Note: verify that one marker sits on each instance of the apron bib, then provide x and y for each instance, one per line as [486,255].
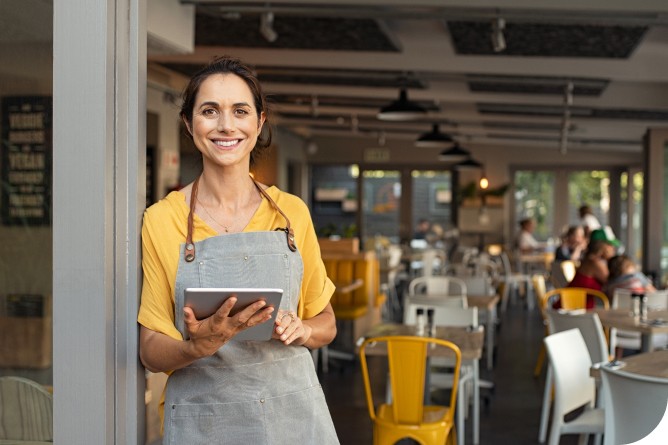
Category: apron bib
[248,391]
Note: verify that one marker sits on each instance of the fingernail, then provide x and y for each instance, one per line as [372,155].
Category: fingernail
[279,330]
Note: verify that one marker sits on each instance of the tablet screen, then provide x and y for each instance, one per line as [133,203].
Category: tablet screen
[206,301]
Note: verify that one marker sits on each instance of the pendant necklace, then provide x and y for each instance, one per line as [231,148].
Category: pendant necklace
[226,228]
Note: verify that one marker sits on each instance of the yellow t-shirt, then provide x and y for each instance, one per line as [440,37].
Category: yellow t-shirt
[164,230]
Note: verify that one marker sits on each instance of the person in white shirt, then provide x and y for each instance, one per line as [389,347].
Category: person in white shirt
[525,241]
[588,220]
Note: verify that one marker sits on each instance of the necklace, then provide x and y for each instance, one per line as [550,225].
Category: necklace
[227,228]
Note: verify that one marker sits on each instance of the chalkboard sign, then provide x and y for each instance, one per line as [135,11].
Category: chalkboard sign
[26,160]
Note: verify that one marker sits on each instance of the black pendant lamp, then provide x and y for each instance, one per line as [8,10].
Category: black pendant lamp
[454,154]
[468,164]
[434,139]
[401,109]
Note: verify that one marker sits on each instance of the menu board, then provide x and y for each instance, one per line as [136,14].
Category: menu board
[26,160]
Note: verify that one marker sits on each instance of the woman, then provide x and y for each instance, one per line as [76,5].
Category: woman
[592,273]
[227,230]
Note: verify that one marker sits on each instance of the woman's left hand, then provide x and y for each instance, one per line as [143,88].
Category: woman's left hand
[291,329]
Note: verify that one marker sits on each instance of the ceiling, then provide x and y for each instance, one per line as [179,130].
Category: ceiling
[333,65]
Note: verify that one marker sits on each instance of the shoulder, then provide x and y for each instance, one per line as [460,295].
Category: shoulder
[169,212]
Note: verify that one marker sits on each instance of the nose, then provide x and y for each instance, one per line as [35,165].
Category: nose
[225,122]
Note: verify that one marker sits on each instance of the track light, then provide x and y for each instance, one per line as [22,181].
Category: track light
[267,26]
[434,138]
[498,39]
[401,109]
[454,154]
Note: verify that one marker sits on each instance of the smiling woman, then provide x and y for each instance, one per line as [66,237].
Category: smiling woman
[248,235]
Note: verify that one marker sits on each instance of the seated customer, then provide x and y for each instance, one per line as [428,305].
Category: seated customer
[525,242]
[592,273]
[573,245]
[624,274]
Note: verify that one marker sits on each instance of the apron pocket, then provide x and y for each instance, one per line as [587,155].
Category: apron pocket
[216,423]
[301,418]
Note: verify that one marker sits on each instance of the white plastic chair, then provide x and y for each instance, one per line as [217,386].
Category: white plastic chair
[511,283]
[573,386]
[430,261]
[592,333]
[26,412]
[621,299]
[437,285]
[636,404]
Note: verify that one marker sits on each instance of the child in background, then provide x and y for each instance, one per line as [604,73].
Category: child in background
[624,274]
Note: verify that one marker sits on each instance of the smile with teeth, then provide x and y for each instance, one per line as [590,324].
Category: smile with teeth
[226,143]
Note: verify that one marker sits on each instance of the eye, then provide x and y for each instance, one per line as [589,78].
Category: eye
[241,112]
[209,112]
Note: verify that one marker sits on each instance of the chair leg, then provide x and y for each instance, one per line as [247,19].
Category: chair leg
[545,410]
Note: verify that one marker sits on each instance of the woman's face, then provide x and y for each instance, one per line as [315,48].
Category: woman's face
[225,124]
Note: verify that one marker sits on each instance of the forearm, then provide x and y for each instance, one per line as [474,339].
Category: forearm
[322,328]
[160,353]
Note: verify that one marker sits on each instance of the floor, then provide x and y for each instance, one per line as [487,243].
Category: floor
[509,415]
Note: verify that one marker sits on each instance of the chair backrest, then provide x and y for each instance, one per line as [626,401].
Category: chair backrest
[621,298]
[478,285]
[570,361]
[539,288]
[407,362]
[444,314]
[635,405]
[437,285]
[590,327]
[26,410]
[562,272]
[573,297]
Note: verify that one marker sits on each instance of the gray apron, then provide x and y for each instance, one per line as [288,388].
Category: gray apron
[247,392]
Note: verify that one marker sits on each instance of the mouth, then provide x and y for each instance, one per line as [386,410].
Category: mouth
[227,143]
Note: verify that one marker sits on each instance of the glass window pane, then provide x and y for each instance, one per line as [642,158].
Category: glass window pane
[591,187]
[25,203]
[534,198]
[334,200]
[380,209]
[432,200]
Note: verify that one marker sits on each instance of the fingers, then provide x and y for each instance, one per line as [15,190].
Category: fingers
[288,327]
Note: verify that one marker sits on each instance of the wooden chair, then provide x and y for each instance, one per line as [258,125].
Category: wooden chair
[26,412]
[407,416]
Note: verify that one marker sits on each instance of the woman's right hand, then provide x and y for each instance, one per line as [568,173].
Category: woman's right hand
[209,334]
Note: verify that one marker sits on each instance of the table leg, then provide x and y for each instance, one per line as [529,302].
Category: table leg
[646,342]
[491,320]
[476,402]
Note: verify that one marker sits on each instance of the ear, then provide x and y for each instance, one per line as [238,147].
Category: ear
[185,121]
[263,117]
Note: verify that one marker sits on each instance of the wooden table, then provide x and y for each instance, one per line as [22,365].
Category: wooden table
[657,323]
[650,364]
[470,343]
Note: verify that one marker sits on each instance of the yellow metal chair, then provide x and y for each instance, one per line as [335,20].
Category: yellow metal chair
[573,298]
[407,416]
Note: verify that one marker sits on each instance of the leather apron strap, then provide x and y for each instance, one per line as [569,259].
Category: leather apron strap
[190,246]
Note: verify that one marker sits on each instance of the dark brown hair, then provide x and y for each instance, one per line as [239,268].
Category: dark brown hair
[230,65]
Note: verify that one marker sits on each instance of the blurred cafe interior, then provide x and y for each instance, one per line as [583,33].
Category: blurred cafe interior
[429,138]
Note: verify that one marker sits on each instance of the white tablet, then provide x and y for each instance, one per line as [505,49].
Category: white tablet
[205,301]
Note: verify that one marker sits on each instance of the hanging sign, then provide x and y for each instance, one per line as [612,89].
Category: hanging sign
[26,160]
